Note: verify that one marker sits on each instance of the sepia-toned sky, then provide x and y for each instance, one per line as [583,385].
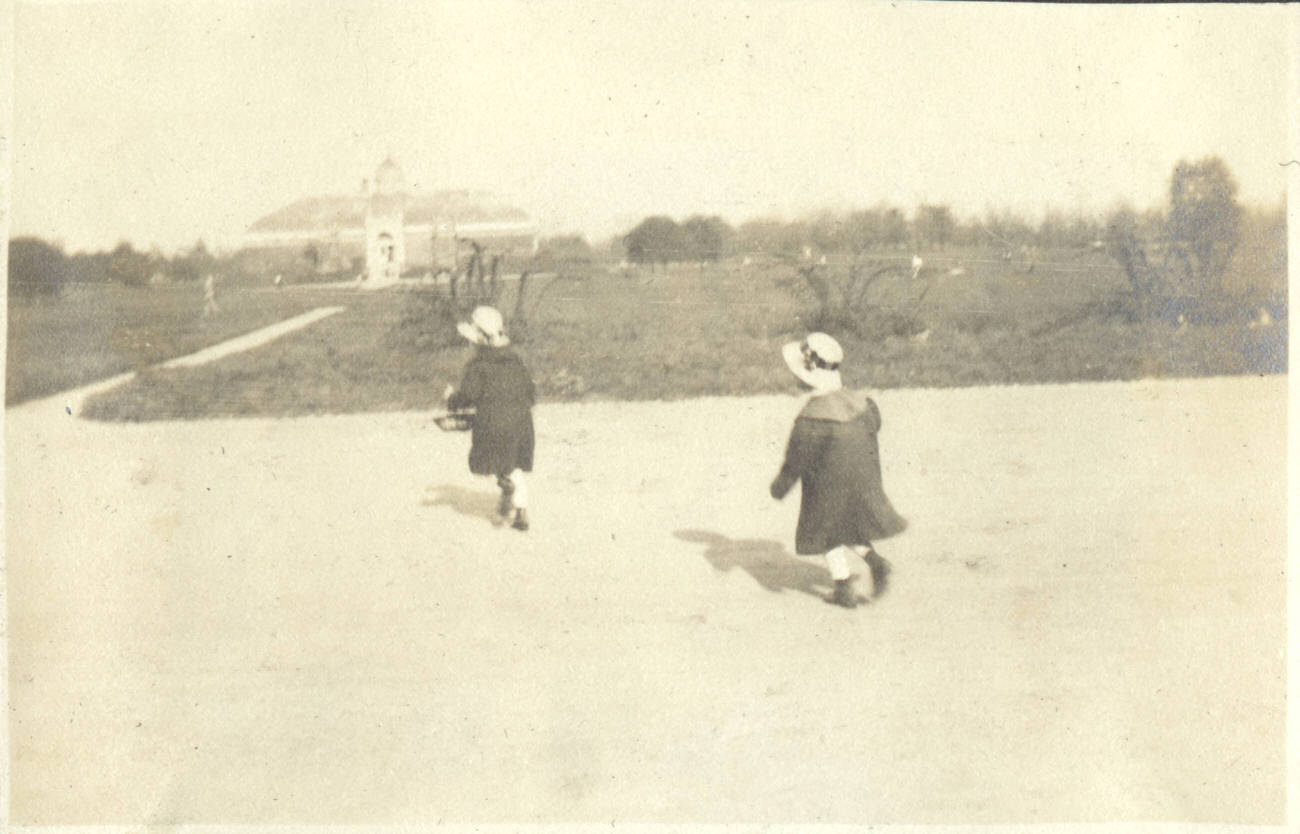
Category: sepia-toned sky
[168,122]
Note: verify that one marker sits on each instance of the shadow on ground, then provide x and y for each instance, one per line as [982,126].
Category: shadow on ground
[468,502]
[767,561]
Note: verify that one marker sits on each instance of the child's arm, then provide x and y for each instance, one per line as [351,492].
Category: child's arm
[470,387]
[872,415]
[530,388]
[800,456]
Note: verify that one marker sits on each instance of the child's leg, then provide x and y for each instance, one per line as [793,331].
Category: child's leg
[838,563]
[520,497]
[878,568]
[869,578]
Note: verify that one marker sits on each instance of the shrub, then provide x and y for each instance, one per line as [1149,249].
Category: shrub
[864,295]
[131,268]
[426,322]
[655,240]
[1203,223]
[35,268]
[1176,261]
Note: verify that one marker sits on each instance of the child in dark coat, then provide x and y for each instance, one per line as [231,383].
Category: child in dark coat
[833,450]
[498,388]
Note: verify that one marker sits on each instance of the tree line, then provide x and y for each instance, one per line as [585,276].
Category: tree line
[659,240]
[40,268]
[1184,246]
[1187,243]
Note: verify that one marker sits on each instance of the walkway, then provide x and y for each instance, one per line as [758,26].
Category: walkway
[72,401]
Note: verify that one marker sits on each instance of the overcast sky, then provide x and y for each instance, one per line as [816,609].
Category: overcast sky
[165,123]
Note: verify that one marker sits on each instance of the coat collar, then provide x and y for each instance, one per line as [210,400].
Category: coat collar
[837,405]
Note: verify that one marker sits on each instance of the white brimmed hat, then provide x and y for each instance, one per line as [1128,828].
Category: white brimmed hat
[815,360]
[485,327]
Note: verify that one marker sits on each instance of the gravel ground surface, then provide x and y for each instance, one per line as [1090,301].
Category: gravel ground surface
[314,620]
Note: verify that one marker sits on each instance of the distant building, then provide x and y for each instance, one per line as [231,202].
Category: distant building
[387,230]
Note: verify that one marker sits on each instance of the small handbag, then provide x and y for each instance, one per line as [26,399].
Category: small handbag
[455,421]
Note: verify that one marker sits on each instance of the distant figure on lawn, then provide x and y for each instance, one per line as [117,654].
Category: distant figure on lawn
[210,307]
[833,449]
[499,389]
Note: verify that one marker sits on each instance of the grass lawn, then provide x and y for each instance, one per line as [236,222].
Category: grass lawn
[689,332]
[94,331]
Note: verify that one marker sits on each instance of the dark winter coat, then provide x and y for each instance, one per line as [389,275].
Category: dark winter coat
[497,386]
[834,451]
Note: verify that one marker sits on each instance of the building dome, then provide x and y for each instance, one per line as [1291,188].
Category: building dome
[389,178]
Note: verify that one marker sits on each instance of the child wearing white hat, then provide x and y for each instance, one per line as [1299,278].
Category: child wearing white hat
[498,388]
[834,451]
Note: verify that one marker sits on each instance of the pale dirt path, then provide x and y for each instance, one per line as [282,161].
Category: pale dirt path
[312,621]
[256,338]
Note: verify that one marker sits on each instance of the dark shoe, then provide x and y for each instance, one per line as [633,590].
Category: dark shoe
[880,570]
[521,520]
[844,595]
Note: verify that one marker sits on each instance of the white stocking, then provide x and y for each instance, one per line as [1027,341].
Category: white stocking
[520,498]
[838,563]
